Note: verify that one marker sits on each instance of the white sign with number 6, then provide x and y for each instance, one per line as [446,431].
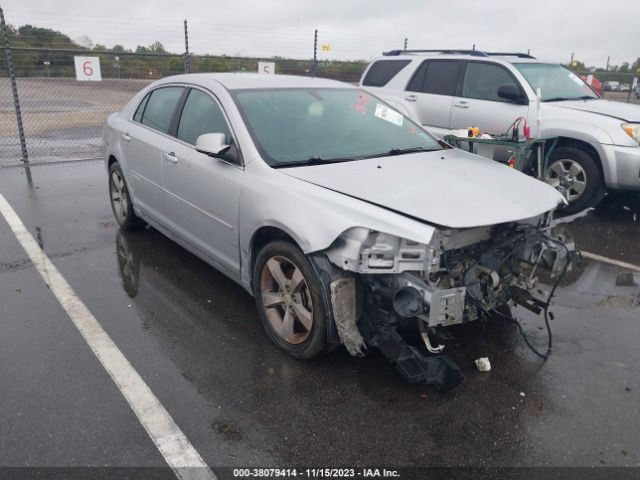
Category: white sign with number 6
[87,69]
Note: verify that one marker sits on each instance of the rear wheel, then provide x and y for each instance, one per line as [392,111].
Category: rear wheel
[121,200]
[577,173]
[290,302]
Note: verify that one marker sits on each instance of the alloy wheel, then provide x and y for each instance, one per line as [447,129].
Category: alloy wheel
[570,175]
[286,299]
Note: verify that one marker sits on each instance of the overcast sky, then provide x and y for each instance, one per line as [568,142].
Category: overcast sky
[552,30]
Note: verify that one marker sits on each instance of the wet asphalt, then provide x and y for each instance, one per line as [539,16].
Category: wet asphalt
[194,337]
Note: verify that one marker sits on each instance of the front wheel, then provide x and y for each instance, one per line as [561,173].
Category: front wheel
[577,173]
[292,307]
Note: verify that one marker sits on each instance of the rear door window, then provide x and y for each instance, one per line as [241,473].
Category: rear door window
[482,81]
[438,77]
[160,107]
[201,114]
[140,110]
[382,71]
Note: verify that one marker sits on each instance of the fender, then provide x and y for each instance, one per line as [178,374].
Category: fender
[595,136]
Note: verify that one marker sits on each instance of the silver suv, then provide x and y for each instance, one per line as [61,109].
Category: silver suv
[599,140]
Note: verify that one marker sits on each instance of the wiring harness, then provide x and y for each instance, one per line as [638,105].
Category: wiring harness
[547,304]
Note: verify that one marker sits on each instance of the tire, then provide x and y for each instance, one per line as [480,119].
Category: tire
[293,309]
[120,199]
[577,170]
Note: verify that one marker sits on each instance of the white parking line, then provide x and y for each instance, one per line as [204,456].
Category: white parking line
[174,446]
[611,261]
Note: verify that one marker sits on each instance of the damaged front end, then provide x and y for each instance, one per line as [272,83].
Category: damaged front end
[457,276]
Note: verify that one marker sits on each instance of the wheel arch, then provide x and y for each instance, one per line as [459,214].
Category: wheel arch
[325,271]
[584,146]
[111,160]
[265,235]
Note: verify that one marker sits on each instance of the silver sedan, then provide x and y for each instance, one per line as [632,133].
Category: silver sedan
[336,212]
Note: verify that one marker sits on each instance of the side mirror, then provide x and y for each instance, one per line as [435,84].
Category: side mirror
[512,93]
[212,144]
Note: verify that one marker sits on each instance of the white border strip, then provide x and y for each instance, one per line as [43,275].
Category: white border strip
[174,446]
[610,261]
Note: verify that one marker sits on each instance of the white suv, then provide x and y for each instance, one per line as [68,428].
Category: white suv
[599,140]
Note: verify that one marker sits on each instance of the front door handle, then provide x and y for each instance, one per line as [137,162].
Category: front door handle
[170,157]
[411,98]
[461,104]
[126,137]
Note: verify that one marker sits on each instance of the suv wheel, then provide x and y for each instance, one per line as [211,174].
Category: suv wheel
[290,300]
[577,172]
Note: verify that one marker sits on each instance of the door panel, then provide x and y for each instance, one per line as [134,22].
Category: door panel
[494,117]
[201,192]
[202,195]
[432,111]
[143,155]
[143,146]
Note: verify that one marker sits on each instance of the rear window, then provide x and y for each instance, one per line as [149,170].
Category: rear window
[436,76]
[159,108]
[382,71]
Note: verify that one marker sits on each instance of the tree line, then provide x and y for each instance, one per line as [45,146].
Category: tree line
[151,61]
[621,72]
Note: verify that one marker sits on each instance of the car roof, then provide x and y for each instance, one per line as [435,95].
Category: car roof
[240,81]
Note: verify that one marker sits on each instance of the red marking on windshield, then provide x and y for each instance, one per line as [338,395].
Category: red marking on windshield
[361,104]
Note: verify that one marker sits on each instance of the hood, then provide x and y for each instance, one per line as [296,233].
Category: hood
[450,188]
[624,111]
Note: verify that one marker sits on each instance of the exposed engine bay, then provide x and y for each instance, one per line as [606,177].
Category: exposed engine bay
[459,276]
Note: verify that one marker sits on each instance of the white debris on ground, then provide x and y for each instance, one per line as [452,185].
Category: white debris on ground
[483,364]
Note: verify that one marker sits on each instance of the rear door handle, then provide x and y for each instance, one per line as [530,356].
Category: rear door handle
[461,104]
[411,98]
[126,137]
[170,157]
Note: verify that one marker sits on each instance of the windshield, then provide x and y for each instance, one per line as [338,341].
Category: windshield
[314,125]
[555,82]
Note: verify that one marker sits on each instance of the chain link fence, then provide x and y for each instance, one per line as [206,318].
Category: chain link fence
[63,117]
[613,85]
[10,148]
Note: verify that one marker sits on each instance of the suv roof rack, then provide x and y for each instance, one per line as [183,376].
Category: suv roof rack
[437,50]
[474,52]
[510,54]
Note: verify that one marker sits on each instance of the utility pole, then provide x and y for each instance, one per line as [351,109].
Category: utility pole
[314,65]
[14,88]
[187,57]
[406,40]
[608,60]
[571,61]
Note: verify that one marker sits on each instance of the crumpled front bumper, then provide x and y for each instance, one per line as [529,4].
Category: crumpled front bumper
[367,306]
